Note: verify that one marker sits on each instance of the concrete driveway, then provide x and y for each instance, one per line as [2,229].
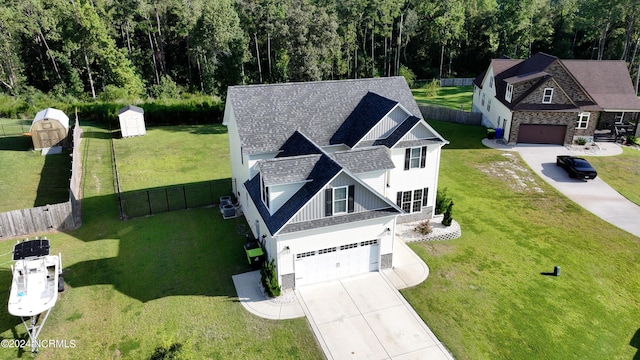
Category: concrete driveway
[365,317]
[594,195]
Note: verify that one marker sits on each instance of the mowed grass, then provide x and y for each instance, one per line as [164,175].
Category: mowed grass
[172,155]
[486,298]
[28,179]
[140,288]
[621,172]
[451,96]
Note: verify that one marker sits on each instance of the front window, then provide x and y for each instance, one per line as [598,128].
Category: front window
[489,105]
[415,158]
[482,99]
[491,82]
[547,96]
[583,120]
[340,200]
[413,200]
[509,93]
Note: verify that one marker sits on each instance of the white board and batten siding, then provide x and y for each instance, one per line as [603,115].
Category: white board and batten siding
[386,126]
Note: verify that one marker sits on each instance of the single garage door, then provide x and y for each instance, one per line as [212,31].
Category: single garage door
[336,262]
[542,134]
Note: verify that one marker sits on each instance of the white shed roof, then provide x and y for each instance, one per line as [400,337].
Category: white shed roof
[52,114]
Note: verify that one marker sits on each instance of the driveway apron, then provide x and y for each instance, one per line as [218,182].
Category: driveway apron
[365,317]
[594,195]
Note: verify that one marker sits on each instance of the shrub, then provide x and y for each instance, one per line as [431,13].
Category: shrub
[269,278]
[442,201]
[432,88]
[409,76]
[446,221]
[631,140]
[580,141]
[423,228]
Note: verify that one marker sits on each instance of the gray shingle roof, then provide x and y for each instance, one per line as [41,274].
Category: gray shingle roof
[323,171]
[365,116]
[132,108]
[341,219]
[266,115]
[362,160]
[288,169]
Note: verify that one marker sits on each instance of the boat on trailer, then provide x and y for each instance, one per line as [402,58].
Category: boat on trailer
[37,280]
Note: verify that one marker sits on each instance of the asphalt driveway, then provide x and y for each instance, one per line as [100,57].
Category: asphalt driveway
[593,195]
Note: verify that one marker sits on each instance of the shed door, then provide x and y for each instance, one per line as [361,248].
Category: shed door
[48,138]
[336,262]
[542,134]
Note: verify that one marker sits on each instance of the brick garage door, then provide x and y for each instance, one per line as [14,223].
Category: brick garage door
[541,134]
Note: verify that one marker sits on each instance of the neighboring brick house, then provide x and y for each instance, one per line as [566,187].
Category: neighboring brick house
[324,170]
[547,100]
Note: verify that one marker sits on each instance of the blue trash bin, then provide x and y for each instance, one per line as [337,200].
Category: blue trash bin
[498,133]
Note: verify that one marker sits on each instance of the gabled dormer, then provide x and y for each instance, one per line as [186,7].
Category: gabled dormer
[281,178]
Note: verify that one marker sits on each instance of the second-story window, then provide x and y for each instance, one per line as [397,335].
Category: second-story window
[491,82]
[509,93]
[547,96]
[489,105]
[415,158]
[339,200]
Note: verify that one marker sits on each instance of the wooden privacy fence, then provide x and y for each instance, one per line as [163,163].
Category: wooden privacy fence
[35,220]
[63,216]
[450,115]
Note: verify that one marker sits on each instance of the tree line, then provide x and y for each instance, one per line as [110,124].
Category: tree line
[126,49]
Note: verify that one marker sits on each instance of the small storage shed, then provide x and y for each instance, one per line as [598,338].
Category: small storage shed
[50,130]
[131,121]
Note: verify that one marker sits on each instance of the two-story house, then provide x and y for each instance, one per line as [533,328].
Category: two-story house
[324,170]
[547,100]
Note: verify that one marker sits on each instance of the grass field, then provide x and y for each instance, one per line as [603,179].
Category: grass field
[451,96]
[28,179]
[486,298]
[622,172]
[139,288]
[136,288]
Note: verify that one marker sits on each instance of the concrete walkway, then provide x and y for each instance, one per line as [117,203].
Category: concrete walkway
[363,316]
[594,195]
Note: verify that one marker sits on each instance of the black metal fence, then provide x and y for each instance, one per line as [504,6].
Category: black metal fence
[153,201]
[13,129]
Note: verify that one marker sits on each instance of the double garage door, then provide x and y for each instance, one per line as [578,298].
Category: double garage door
[542,134]
[336,262]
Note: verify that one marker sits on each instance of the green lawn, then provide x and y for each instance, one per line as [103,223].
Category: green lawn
[450,96]
[172,155]
[27,178]
[622,172]
[136,288]
[486,298]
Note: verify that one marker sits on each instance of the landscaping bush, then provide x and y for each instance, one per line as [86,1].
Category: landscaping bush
[580,141]
[446,221]
[409,76]
[631,140]
[432,88]
[269,278]
[442,201]
[423,228]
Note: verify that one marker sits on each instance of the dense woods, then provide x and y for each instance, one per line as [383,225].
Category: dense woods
[133,49]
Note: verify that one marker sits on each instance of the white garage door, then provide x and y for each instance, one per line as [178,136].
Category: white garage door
[336,262]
